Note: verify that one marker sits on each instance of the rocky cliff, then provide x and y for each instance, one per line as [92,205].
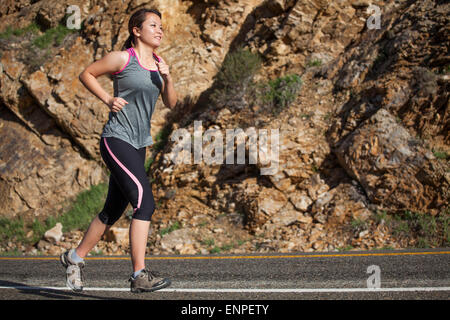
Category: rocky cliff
[359,139]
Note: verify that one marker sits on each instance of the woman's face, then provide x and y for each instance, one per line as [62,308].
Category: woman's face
[151,32]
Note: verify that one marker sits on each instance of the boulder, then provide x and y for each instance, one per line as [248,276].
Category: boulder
[117,235]
[392,166]
[54,234]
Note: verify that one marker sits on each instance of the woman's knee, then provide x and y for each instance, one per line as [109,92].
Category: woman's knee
[145,211]
[108,219]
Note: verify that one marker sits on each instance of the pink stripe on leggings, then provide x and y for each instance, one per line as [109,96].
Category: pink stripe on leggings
[132,176]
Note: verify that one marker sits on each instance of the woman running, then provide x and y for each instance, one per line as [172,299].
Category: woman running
[140,76]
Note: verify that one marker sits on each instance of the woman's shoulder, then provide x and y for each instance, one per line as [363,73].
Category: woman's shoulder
[122,55]
[119,59]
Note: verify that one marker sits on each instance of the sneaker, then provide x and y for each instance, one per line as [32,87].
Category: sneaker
[74,272]
[147,281]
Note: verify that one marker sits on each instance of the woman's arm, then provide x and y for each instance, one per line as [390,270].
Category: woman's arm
[110,63]
[168,93]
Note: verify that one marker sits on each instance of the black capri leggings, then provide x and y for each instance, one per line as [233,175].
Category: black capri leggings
[128,182]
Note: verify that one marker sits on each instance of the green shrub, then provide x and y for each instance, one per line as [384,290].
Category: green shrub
[31,28]
[9,32]
[85,207]
[175,226]
[314,63]
[227,247]
[161,140]
[39,228]
[79,215]
[234,79]
[97,253]
[443,221]
[216,249]
[427,229]
[208,242]
[440,154]
[148,163]
[358,225]
[236,89]
[52,36]
[277,94]
[11,229]
[346,248]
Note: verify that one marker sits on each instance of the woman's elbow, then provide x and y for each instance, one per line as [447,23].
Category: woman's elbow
[81,76]
[84,74]
[173,103]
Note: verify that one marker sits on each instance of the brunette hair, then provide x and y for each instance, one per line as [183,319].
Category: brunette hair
[136,20]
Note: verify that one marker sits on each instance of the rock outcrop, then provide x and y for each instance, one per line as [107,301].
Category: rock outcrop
[359,138]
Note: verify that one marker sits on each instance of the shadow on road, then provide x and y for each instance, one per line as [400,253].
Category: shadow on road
[51,293]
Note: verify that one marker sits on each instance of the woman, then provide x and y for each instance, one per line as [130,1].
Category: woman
[140,76]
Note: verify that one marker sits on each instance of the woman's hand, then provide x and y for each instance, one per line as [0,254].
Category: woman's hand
[116,104]
[169,95]
[163,68]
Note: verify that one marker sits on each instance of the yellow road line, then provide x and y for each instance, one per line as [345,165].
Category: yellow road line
[246,257]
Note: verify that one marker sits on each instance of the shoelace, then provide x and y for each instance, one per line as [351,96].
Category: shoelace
[151,275]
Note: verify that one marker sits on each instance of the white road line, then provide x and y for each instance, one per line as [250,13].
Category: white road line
[287,290]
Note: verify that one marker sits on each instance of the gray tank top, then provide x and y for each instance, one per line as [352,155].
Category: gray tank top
[140,87]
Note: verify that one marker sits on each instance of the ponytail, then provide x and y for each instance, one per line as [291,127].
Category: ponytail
[128,42]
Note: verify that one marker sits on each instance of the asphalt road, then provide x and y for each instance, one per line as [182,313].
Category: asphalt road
[416,274]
